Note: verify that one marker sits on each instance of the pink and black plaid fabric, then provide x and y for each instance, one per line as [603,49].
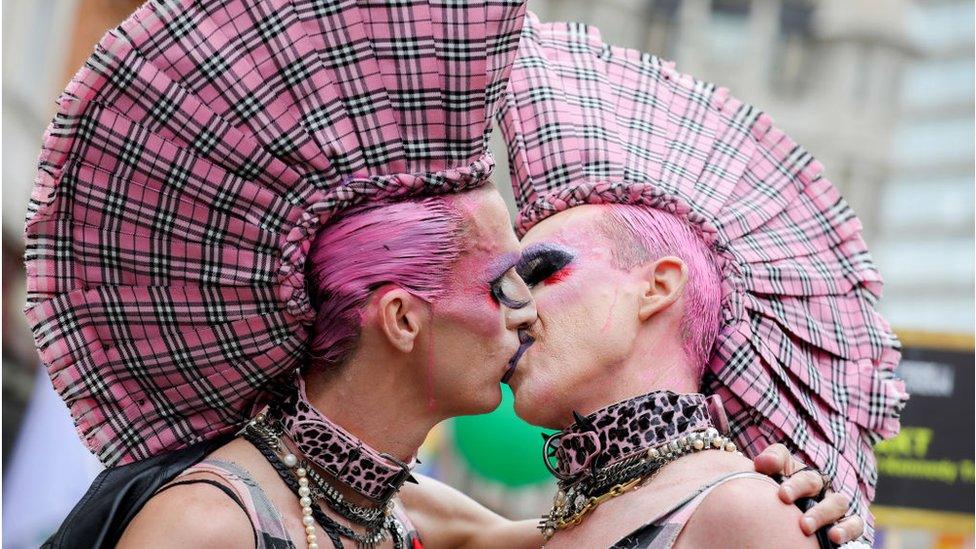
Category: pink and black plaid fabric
[803,357]
[186,171]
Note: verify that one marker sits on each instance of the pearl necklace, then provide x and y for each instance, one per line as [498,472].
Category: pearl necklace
[269,437]
[304,500]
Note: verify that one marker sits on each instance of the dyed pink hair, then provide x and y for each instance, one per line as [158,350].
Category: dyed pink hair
[412,244]
[641,235]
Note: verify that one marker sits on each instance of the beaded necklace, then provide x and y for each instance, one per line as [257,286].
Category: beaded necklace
[619,449]
[310,487]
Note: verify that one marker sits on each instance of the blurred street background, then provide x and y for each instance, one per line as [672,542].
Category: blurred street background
[880,91]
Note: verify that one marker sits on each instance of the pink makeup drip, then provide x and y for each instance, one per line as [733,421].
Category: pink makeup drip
[429,372]
[613,305]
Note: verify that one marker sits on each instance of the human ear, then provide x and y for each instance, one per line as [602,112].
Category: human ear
[401,316]
[664,282]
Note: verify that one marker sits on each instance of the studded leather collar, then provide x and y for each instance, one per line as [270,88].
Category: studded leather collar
[627,428]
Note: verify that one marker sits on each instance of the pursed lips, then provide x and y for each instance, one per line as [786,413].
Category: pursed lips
[525,341]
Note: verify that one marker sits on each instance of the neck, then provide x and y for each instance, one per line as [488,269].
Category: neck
[655,363]
[631,427]
[369,399]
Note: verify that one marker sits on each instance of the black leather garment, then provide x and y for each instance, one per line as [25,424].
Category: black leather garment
[118,494]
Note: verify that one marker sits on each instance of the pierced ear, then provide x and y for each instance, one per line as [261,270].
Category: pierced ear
[665,283]
[401,316]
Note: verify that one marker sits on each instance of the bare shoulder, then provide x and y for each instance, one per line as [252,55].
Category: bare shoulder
[745,512]
[190,515]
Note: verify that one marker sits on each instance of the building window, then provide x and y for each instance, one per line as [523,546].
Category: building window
[791,59]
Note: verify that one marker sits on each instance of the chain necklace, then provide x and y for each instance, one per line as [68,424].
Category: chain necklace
[310,487]
[576,498]
[369,517]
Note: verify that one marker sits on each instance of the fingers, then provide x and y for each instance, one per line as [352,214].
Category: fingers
[846,530]
[831,509]
[792,465]
[805,484]
[773,461]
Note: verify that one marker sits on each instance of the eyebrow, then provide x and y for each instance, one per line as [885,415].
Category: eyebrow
[501,264]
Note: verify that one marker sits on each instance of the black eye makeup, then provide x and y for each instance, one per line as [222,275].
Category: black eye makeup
[506,290]
[542,261]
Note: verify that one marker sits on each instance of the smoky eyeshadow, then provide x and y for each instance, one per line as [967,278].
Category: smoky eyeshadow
[502,290]
[542,261]
[501,286]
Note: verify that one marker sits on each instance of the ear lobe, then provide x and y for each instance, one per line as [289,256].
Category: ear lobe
[665,283]
[401,316]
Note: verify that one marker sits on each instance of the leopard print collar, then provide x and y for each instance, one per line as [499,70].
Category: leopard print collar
[627,428]
[348,460]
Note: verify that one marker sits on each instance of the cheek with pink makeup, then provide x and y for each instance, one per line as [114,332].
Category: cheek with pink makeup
[470,299]
[495,281]
[613,305]
[472,311]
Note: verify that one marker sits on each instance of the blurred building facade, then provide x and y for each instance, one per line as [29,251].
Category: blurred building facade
[35,41]
[46,468]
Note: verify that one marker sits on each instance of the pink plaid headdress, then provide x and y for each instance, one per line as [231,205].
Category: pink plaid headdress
[188,167]
[802,356]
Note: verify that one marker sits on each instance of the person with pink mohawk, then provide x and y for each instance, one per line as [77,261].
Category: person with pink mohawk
[699,285]
[263,261]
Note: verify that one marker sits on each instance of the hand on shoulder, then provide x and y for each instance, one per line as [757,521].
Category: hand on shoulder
[745,512]
[197,515]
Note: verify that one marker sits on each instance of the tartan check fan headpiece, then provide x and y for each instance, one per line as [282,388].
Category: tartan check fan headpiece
[802,356]
[186,171]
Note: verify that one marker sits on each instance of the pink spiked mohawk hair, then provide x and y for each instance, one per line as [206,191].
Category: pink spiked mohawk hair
[191,163]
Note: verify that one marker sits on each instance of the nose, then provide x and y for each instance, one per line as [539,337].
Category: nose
[522,318]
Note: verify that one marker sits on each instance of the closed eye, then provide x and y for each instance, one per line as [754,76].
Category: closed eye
[505,290]
[540,264]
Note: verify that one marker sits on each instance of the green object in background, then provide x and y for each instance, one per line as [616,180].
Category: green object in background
[499,446]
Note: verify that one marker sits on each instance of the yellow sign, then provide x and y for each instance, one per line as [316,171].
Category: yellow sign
[905,456]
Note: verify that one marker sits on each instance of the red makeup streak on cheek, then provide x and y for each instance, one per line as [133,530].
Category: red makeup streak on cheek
[559,276]
[491,301]
[431,400]
[613,305]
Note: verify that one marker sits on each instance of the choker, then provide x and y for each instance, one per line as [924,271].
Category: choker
[619,448]
[628,428]
[378,522]
[374,475]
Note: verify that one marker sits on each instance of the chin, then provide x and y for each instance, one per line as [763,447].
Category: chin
[534,409]
[483,401]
